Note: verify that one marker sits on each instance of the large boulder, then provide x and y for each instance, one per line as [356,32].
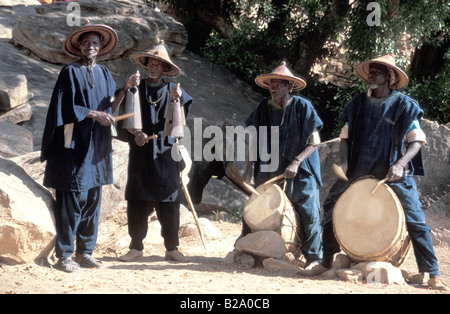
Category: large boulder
[15,140]
[26,219]
[138,28]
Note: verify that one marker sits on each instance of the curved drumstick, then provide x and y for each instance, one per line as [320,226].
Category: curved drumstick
[372,192]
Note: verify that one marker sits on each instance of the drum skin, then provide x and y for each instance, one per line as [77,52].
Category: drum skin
[272,211]
[371,227]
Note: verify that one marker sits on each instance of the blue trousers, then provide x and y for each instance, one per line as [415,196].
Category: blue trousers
[77,216]
[418,229]
[303,193]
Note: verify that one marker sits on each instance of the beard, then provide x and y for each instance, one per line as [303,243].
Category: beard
[373,85]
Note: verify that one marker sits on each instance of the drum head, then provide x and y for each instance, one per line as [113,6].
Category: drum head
[365,224]
[263,212]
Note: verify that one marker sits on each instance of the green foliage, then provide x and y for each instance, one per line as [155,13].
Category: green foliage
[433,95]
[265,32]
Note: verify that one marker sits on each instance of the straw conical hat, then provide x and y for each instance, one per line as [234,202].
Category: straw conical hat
[280,73]
[362,69]
[159,52]
[109,38]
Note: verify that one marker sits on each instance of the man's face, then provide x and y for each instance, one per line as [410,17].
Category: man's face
[278,89]
[90,45]
[378,75]
[155,68]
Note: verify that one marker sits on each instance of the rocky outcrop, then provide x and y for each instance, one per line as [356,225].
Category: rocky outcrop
[138,27]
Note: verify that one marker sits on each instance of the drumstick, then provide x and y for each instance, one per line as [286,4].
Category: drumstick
[124,116]
[378,185]
[339,172]
[279,177]
[148,138]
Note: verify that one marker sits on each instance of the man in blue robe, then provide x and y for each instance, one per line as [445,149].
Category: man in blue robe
[77,144]
[153,175]
[382,138]
[298,128]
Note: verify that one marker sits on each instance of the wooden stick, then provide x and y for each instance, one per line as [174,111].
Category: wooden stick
[233,173]
[191,207]
[378,185]
[148,138]
[124,116]
[339,172]
[279,177]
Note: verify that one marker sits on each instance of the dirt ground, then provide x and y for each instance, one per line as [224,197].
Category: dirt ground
[204,274]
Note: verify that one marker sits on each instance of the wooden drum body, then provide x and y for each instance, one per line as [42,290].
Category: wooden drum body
[371,227]
[272,211]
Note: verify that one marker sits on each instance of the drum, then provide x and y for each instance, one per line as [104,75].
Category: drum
[371,226]
[272,211]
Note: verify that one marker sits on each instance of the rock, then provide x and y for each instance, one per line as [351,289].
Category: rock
[341,261]
[218,196]
[435,184]
[277,265]
[351,275]
[419,279]
[15,140]
[262,243]
[25,231]
[329,274]
[138,28]
[13,90]
[18,114]
[380,273]
[244,259]
[209,230]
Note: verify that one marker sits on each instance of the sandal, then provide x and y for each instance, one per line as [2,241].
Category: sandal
[87,261]
[67,264]
[437,283]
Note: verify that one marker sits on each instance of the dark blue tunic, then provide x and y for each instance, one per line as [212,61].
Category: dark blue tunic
[376,140]
[300,120]
[153,175]
[295,123]
[88,161]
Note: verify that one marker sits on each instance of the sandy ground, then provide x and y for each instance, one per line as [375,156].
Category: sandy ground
[204,274]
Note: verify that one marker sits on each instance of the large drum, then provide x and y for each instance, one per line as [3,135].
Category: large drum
[272,211]
[371,226]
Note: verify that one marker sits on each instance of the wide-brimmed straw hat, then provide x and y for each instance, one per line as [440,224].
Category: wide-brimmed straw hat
[109,38]
[280,73]
[362,69]
[159,52]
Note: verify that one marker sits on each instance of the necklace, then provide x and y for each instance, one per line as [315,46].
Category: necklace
[154,103]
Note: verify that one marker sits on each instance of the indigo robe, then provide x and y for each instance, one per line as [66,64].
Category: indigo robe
[153,175]
[295,123]
[87,162]
[376,140]
[299,121]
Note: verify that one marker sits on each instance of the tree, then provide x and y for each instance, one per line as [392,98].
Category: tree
[251,36]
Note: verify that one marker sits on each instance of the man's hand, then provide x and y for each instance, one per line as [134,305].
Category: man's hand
[133,80]
[175,93]
[140,138]
[396,171]
[103,118]
[292,169]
